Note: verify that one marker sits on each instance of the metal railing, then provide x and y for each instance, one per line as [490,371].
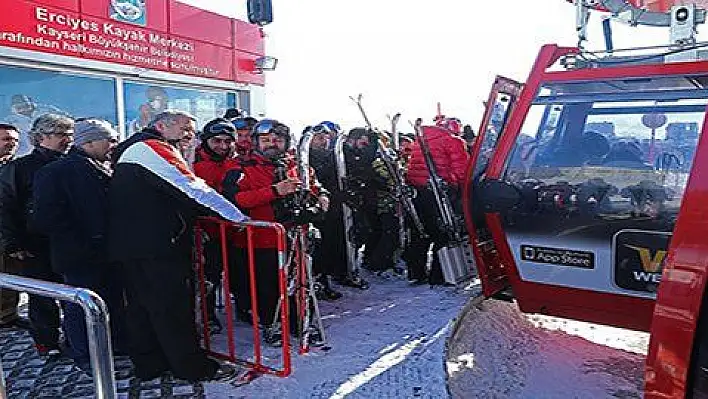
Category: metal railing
[226,231]
[97,326]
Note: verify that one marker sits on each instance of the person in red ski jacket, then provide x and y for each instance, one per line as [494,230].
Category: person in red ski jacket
[265,186]
[450,157]
[212,161]
[449,154]
[218,145]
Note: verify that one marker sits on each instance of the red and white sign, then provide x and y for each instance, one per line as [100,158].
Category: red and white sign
[195,42]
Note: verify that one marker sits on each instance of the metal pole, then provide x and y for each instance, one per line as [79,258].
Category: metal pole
[3,393]
[97,325]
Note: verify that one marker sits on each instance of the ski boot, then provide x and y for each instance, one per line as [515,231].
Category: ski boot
[354,282]
[324,290]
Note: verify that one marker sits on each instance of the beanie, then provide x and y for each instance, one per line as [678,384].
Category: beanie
[88,130]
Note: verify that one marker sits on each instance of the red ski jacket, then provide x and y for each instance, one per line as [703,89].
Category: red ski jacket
[449,155]
[250,187]
[211,167]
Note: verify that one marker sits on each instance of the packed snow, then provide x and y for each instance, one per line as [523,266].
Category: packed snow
[385,342]
[497,351]
[390,342]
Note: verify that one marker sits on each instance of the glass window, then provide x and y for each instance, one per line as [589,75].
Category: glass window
[601,168]
[144,101]
[620,136]
[244,101]
[27,93]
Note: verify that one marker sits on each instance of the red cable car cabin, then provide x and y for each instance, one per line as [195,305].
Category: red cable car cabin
[586,199]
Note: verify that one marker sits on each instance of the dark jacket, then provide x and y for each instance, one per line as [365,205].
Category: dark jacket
[323,162]
[71,208]
[368,180]
[154,199]
[16,186]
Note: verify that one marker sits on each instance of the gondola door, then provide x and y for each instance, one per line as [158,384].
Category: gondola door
[501,100]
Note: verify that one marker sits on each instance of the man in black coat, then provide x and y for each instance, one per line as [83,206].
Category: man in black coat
[71,208]
[154,199]
[51,136]
[9,142]
[332,250]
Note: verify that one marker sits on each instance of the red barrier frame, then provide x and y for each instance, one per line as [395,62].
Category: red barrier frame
[257,365]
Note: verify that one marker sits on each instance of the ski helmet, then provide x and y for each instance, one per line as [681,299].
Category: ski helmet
[246,123]
[217,127]
[327,129]
[333,127]
[268,126]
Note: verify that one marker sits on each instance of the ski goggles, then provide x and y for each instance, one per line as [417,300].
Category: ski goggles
[240,123]
[267,126]
[331,126]
[322,129]
[219,128]
[222,127]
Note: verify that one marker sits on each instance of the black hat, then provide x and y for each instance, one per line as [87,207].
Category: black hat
[233,113]
[217,127]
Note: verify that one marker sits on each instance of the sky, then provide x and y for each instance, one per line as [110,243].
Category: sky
[407,55]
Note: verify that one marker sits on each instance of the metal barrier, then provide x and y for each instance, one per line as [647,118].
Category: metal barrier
[97,326]
[226,227]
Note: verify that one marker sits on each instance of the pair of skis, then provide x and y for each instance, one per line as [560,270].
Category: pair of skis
[455,256]
[448,219]
[402,191]
[301,280]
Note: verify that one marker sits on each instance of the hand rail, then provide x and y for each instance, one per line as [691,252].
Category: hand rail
[97,326]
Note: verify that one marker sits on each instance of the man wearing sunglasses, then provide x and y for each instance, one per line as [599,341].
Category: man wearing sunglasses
[51,136]
[71,208]
[265,187]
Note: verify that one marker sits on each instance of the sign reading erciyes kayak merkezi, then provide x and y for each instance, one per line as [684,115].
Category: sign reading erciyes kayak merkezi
[558,256]
[166,36]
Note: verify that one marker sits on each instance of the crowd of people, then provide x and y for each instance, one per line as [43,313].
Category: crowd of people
[118,218]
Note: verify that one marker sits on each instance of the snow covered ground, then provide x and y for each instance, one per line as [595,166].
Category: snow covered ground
[498,352]
[386,342]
